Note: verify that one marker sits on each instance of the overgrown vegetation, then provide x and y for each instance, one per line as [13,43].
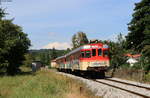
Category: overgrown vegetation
[43,84]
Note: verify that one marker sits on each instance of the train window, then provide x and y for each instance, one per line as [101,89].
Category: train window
[99,52]
[82,54]
[105,53]
[87,54]
[93,52]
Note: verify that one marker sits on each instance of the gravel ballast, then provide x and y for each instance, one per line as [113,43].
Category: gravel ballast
[102,89]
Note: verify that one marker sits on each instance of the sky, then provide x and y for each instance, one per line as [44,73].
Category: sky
[52,23]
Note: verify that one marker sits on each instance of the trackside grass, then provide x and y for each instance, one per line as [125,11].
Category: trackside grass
[42,84]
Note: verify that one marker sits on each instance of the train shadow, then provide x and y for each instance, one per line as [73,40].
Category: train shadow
[88,75]
[95,77]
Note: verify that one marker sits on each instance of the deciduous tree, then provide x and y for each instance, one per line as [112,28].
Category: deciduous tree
[79,39]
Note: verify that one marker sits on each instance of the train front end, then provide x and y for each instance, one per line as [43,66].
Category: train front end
[95,57]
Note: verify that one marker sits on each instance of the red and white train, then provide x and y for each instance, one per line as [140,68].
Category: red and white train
[87,58]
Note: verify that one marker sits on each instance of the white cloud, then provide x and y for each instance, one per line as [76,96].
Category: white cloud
[57,45]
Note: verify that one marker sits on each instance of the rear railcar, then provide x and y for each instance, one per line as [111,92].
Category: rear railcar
[61,63]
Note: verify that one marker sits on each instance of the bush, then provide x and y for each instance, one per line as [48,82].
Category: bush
[147,77]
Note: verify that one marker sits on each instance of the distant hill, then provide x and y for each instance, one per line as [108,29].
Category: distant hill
[46,55]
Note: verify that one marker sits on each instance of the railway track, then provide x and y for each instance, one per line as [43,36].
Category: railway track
[132,88]
[125,86]
[123,82]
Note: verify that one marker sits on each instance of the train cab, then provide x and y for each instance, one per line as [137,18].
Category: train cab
[94,57]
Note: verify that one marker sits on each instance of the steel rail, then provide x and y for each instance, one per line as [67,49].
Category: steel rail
[148,88]
[130,91]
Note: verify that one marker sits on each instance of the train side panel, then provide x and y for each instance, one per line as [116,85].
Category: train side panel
[92,57]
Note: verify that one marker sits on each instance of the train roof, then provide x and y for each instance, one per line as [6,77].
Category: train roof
[60,57]
[88,46]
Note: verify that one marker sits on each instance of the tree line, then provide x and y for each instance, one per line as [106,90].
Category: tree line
[44,56]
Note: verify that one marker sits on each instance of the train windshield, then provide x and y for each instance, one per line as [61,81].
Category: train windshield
[87,54]
[106,54]
[99,52]
[82,54]
[93,52]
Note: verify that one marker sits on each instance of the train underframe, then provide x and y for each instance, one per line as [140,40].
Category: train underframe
[91,72]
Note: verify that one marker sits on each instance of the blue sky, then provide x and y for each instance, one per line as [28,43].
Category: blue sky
[51,23]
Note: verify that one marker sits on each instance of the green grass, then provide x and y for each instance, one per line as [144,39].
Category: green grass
[42,84]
